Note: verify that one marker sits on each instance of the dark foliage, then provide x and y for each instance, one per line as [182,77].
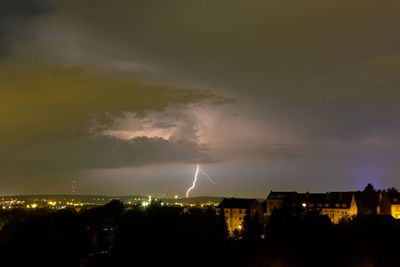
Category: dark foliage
[55,239]
[252,228]
[173,236]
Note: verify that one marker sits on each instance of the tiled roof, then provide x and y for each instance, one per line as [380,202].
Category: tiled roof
[236,203]
[394,198]
[330,199]
[341,197]
[282,195]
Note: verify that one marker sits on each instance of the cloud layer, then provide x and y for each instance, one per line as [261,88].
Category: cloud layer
[50,117]
[109,86]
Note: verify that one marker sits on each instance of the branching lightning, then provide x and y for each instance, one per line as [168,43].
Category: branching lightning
[198,169]
[208,177]
[194,182]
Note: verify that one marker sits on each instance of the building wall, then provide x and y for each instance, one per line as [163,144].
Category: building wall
[395,211]
[341,211]
[353,207]
[235,217]
[273,204]
[335,213]
[386,207]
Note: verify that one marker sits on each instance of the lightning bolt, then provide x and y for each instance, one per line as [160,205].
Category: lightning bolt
[198,169]
[208,177]
[194,181]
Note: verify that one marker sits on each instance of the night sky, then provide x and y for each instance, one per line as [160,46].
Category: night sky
[126,97]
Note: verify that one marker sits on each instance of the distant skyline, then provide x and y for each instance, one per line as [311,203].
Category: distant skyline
[127,97]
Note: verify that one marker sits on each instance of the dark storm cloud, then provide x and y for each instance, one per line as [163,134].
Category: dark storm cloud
[103,152]
[49,104]
[320,78]
[17,12]
[48,120]
[164,124]
[22,8]
[313,65]
[283,151]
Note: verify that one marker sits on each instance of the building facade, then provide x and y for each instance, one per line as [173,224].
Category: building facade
[276,200]
[235,211]
[390,204]
[335,205]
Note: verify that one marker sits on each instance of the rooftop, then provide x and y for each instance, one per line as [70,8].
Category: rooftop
[236,203]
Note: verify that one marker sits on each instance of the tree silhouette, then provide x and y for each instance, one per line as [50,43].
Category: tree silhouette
[222,228]
[392,190]
[370,199]
[369,189]
[252,228]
